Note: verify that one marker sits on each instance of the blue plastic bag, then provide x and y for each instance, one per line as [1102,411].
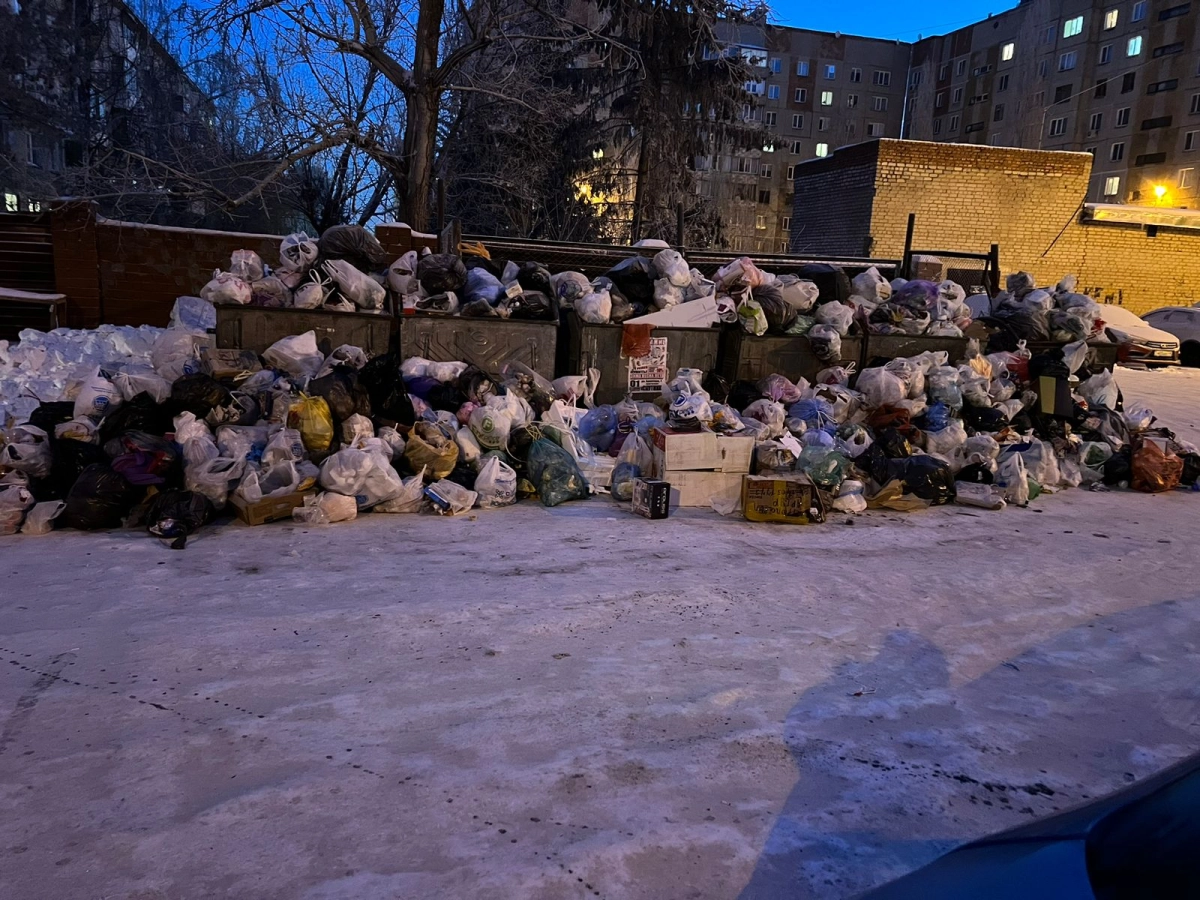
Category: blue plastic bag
[599,426]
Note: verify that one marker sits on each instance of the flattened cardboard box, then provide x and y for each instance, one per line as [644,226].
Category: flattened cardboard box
[269,509]
[697,489]
[790,499]
[686,451]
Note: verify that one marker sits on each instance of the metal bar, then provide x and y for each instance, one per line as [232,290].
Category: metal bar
[908,240]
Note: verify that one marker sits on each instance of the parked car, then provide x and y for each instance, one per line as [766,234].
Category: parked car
[1138,341]
[1184,323]
[1141,842]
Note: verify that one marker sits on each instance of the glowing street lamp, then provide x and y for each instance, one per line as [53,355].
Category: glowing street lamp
[1160,191]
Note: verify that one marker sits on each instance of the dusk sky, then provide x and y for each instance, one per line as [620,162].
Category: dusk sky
[900,19]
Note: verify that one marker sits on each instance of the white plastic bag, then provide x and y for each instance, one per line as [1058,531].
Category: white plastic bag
[496,484]
[28,451]
[394,441]
[1100,390]
[1011,476]
[768,412]
[872,286]
[356,427]
[946,442]
[40,519]
[797,293]
[226,288]
[491,427]
[278,480]
[81,429]
[97,396]
[246,264]
[358,287]
[445,372]
[881,387]
[410,499]
[175,353]
[414,367]
[469,450]
[836,316]
[449,498]
[325,508]
[595,308]
[671,265]
[297,355]
[193,314]
[136,379]
[214,477]
[187,426]
[666,295]
[850,498]
[298,252]
[285,445]
[368,477]
[402,275]
[309,295]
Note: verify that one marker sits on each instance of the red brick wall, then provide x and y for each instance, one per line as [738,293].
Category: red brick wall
[73,238]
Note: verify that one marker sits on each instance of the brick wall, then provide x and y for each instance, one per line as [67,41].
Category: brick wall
[833,201]
[969,197]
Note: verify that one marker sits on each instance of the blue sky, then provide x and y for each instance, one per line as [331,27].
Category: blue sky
[900,19]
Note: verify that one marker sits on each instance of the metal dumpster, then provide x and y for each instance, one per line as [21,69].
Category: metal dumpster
[745,357]
[486,343]
[1101,354]
[883,347]
[257,328]
[599,346]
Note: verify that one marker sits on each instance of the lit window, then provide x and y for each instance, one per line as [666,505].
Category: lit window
[1134,47]
[830,73]
[12,203]
[1007,51]
[760,222]
[1112,186]
[827,98]
[1072,27]
[1110,19]
[802,68]
[768,148]
[1058,127]
[35,205]
[1139,11]
[822,149]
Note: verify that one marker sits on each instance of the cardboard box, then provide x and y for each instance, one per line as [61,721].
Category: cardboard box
[233,364]
[651,498]
[269,509]
[737,452]
[685,451]
[791,499]
[697,489]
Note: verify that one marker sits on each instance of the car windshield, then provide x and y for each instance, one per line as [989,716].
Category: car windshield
[1119,316]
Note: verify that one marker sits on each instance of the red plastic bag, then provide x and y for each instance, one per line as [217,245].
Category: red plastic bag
[1155,472]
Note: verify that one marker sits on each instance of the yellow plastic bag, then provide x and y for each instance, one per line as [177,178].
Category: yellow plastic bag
[312,418]
[427,447]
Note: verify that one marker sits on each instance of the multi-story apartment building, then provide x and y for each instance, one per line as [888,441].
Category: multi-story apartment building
[1119,79]
[813,92]
[85,89]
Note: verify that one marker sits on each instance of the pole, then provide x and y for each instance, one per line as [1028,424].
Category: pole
[679,226]
[994,259]
[908,241]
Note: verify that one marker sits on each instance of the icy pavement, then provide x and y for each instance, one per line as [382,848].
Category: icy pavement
[579,703]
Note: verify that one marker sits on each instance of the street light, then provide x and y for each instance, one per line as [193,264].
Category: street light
[1159,191]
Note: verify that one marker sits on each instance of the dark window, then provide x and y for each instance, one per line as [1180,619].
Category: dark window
[1128,81]
[1102,88]
[1150,159]
[73,153]
[973,127]
[998,113]
[177,103]
[1174,12]
[1003,85]
[1160,122]
[1159,86]
[1168,49]
[764,196]
[1062,93]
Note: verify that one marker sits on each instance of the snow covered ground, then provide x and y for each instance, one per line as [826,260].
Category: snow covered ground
[576,702]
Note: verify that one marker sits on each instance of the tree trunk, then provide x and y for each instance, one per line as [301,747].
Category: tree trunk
[640,186]
[421,117]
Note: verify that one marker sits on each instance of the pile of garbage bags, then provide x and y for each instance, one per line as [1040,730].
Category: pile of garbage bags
[1025,312]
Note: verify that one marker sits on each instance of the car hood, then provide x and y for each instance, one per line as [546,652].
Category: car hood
[1140,333]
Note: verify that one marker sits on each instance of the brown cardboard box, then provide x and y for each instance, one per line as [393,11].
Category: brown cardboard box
[686,451]
[791,499]
[737,452]
[697,489]
[269,509]
[234,364]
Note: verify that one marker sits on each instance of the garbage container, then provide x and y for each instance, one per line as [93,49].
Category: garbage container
[883,347]
[257,328]
[1101,354]
[484,342]
[599,346]
[745,357]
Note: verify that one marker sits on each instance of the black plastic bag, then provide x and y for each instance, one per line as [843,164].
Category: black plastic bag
[634,278]
[622,309]
[70,459]
[48,415]
[984,418]
[535,277]
[463,475]
[477,386]
[1017,325]
[875,464]
[145,459]
[976,473]
[198,394]
[343,392]
[389,399]
[780,314]
[555,474]
[520,439]
[1118,469]
[716,386]
[140,413]
[741,394]
[479,309]
[100,498]
[1191,469]
[531,305]
[1049,364]
[447,397]
[173,515]
[929,478]
[833,284]
[354,244]
[893,443]
[441,272]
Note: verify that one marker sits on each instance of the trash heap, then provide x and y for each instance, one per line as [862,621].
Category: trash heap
[470,283]
[340,271]
[1025,312]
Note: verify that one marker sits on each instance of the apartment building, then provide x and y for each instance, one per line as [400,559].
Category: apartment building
[813,92]
[1119,79]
